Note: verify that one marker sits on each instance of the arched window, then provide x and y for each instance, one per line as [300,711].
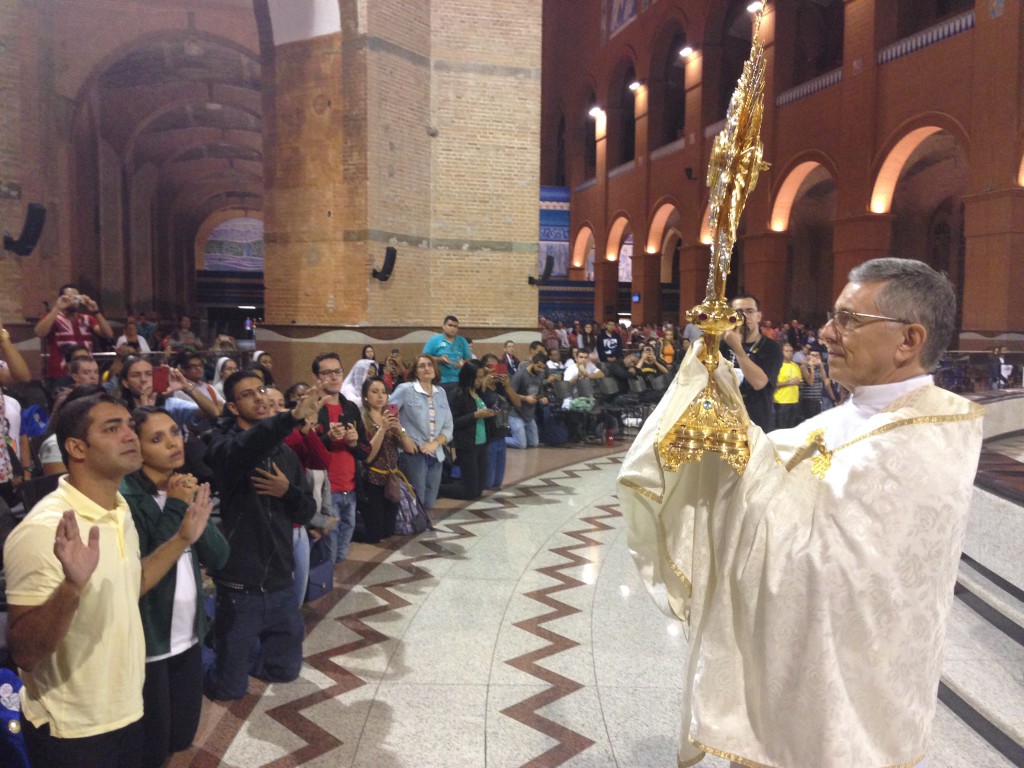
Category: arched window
[560,175]
[736,39]
[627,118]
[673,116]
[589,140]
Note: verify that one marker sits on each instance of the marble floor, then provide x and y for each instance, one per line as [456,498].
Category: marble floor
[518,634]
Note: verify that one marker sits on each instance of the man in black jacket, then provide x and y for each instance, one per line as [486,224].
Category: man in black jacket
[262,497]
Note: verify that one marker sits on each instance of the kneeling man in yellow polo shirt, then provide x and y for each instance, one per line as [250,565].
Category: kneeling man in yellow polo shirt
[74,626]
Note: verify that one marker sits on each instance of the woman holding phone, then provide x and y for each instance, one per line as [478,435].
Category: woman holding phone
[424,413]
[173,619]
[473,423]
[386,438]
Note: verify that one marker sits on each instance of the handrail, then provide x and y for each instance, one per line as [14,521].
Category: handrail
[819,83]
[929,36]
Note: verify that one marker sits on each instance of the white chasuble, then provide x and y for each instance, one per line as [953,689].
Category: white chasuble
[815,586]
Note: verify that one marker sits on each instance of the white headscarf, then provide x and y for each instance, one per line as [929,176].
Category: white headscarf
[218,380]
[352,388]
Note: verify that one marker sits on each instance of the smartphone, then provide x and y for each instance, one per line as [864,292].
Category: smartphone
[161,378]
[392,408]
[501,369]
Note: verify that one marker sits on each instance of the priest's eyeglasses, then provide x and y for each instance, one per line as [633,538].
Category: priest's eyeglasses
[846,320]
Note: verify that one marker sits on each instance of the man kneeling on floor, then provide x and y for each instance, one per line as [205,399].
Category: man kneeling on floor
[262,497]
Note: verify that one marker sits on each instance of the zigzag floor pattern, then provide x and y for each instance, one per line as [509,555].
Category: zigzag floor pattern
[518,634]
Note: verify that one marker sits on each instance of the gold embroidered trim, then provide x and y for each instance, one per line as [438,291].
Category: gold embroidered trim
[640,490]
[728,755]
[689,763]
[821,463]
[753,764]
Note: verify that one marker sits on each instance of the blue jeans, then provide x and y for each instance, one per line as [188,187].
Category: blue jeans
[345,510]
[242,619]
[424,475]
[524,433]
[496,450]
[300,547]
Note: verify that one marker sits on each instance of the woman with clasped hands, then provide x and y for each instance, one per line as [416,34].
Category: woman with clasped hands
[164,501]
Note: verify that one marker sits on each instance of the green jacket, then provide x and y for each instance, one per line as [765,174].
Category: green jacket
[155,527]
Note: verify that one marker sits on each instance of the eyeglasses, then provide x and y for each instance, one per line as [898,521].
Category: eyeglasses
[252,393]
[845,320]
[749,311]
[331,372]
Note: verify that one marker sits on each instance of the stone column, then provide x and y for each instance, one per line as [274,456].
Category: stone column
[693,277]
[856,239]
[764,271]
[993,278]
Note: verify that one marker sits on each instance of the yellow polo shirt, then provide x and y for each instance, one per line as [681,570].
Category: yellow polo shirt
[791,394]
[92,684]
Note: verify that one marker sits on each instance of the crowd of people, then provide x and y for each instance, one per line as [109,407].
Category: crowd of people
[182,458]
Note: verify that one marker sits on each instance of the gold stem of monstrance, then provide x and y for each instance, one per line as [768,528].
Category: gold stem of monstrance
[710,424]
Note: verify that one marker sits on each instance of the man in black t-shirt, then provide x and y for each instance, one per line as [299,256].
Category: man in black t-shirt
[758,357]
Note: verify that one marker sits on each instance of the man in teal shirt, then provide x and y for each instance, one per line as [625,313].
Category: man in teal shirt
[449,350]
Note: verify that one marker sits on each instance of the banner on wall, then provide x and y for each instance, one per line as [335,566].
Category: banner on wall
[620,14]
[626,261]
[554,230]
[235,246]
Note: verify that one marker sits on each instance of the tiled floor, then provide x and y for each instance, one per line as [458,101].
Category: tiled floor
[518,634]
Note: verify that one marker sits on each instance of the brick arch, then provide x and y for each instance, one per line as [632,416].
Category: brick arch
[584,236]
[615,236]
[91,71]
[898,149]
[659,221]
[793,178]
[705,225]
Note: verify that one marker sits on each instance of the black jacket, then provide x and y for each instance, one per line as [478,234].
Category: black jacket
[463,407]
[258,528]
[350,413]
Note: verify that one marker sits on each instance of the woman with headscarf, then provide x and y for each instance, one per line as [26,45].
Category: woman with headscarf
[352,387]
[225,367]
[264,364]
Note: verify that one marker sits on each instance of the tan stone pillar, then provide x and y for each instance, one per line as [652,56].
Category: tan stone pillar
[693,277]
[993,278]
[764,271]
[857,239]
[647,282]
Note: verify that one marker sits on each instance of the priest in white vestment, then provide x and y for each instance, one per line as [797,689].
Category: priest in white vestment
[816,585]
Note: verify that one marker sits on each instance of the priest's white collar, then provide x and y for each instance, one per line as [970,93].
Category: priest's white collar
[869,400]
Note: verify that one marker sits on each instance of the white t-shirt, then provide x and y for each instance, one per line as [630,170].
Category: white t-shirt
[12,409]
[183,617]
[143,344]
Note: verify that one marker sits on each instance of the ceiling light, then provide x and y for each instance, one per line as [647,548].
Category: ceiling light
[595,112]
[634,86]
[755,6]
[686,52]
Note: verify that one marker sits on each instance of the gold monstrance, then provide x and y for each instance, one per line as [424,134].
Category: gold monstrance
[710,424]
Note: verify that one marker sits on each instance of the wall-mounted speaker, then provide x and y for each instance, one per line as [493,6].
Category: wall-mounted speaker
[35,217]
[384,273]
[549,265]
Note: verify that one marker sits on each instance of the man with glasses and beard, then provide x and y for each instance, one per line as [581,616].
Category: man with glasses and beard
[759,360]
[818,581]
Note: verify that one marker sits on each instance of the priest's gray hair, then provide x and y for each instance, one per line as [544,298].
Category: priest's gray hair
[915,293]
